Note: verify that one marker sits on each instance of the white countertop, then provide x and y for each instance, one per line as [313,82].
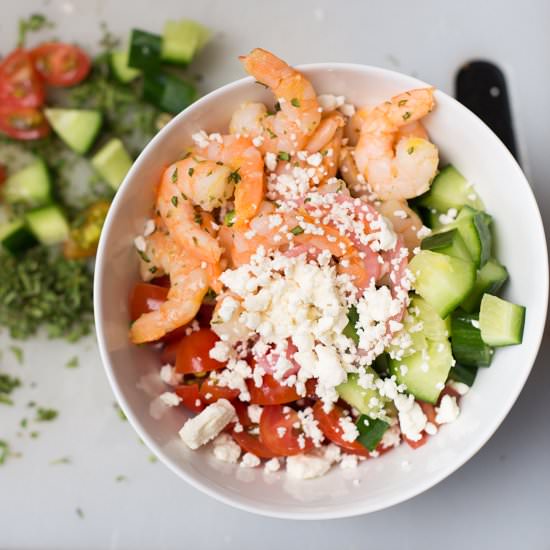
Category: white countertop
[498,499]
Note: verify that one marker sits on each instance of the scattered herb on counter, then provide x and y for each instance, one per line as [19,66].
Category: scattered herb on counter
[41,288]
[120,478]
[120,412]
[72,363]
[23,422]
[62,460]
[4,451]
[16,350]
[35,22]
[79,513]
[152,459]
[46,415]
[7,385]
[34,434]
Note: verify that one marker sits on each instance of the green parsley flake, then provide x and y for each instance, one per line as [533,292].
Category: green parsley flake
[402,102]
[46,415]
[410,150]
[175,175]
[72,363]
[34,434]
[197,218]
[79,513]
[229,218]
[152,459]
[174,200]
[191,171]
[4,451]
[407,115]
[283,155]
[295,102]
[119,411]
[120,478]
[297,230]
[23,423]
[17,353]
[62,460]
[234,176]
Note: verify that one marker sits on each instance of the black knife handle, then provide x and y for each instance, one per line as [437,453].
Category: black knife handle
[481,86]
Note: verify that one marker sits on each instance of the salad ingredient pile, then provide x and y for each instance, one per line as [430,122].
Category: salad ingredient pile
[303,308]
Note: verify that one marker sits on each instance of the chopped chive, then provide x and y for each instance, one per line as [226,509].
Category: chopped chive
[198,218]
[407,115]
[120,412]
[191,171]
[272,134]
[174,200]
[62,460]
[17,353]
[46,415]
[175,175]
[234,176]
[4,451]
[283,155]
[229,218]
[295,102]
[297,230]
[371,431]
[72,363]
[402,102]
[410,150]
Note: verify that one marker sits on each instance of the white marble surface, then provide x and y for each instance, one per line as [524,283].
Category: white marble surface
[498,499]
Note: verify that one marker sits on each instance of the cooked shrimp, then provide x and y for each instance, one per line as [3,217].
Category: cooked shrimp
[299,112]
[187,183]
[325,132]
[247,166]
[405,221]
[353,127]
[188,284]
[413,129]
[397,168]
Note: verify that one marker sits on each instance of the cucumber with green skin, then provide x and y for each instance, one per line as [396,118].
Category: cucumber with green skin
[31,186]
[15,237]
[501,323]
[112,162]
[181,40]
[366,401]
[489,280]
[48,224]
[78,128]
[120,68]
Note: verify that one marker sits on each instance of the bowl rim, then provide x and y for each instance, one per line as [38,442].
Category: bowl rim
[355,509]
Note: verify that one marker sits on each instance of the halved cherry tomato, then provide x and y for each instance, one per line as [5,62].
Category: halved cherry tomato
[329,423]
[204,316]
[3,174]
[271,392]
[61,64]
[211,392]
[251,444]
[193,353]
[190,396]
[242,412]
[169,352]
[163,281]
[20,84]
[279,434]
[146,297]
[23,123]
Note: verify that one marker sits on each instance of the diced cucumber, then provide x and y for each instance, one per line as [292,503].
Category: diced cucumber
[120,68]
[181,40]
[32,185]
[468,347]
[78,128]
[48,224]
[15,237]
[501,322]
[145,49]
[464,374]
[360,398]
[371,431]
[450,190]
[474,229]
[425,372]
[443,281]
[168,92]
[112,162]
[490,279]
[447,242]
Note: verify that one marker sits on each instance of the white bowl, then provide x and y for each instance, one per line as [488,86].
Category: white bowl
[133,371]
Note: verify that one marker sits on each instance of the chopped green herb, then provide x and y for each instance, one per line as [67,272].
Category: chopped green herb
[197,218]
[152,459]
[277,106]
[271,133]
[407,115]
[144,256]
[297,230]
[210,295]
[262,84]
[5,400]
[153,269]
[410,150]
[31,404]
[174,176]
[18,354]
[174,200]
[120,478]
[195,241]
[295,102]
[33,23]
[34,434]
[283,155]
[42,289]
[234,176]
[46,415]
[402,102]
[8,383]
[120,411]
[4,451]
[62,460]
[79,513]
[72,363]
[349,330]
[23,423]
[229,218]
[191,171]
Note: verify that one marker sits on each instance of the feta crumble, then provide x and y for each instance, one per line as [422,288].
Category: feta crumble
[447,411]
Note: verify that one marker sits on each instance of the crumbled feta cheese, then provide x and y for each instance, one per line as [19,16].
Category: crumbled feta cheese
[449,217]
[315,159]
[304,466]
[250,460]
[348,462]
[412,420]
[200,138]
[140,244]
[254,413]
[220,351]
[226,449]
[149,228]
[391,437]
[257,141]
[169,375]
[447,411]
[228,308]
[207,424]
[459,387]
[431,429]
[423,232]
[272,465]
[270,162]
[170,399]
[332,452]
[347,109]
[349,429]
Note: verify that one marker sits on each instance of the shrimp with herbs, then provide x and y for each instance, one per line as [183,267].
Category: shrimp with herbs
[397,167]
[297,115]
[189,282]
[185,185]
[246,175]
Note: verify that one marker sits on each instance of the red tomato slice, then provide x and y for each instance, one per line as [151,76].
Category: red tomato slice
[146,297]
[3,174]
[61,64]
[271,392]
[272,421]
[211,392]
[190,396]
[23,123]
[20,84]
[193,353]
[169,352]
[242,412]
[251,444]
[329,423]
[415,444]
[429,410]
